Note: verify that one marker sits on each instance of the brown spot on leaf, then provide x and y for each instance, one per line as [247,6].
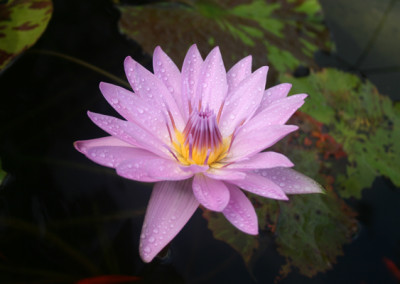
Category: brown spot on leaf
[40,5]
[26,27]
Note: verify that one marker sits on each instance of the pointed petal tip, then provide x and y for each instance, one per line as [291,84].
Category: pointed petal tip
[252,231]
[284,198]
[240,212]
[104,86]
[129,64]
[128,59]
[192,48]
[301,96]
[216,49]
[158,51]
[289,164]
[79,146]
[90,114]
[215,53]
[146,257]
[263,70]
[248,58]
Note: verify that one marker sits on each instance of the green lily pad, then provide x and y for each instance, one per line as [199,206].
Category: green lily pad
[309,230]
[22,22]
[363,121]
[283,34]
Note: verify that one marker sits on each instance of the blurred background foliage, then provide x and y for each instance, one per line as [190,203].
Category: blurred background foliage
[347,139]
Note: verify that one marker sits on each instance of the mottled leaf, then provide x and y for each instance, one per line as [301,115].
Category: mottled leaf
[284,34]
[365,123]
[22,22]
[312,230]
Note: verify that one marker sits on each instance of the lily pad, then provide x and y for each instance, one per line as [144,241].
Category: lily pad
[22,22]
[363,121]
[283,34]
[309,230]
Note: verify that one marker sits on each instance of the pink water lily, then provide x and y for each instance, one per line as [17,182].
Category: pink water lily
[198,133]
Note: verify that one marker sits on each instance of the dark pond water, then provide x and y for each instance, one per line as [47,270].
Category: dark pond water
[65,218]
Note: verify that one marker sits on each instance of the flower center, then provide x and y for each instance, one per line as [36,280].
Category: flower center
[201,141]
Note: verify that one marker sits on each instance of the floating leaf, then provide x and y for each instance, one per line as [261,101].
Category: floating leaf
[309,230]
[364,122]
[284,34]
[22,22]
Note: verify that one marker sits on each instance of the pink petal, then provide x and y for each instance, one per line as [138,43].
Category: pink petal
[263,160]
[166,70]
[225,174]
[112,156]
[195,168]
[291,181]
[170,208]
[212,194]
[261,186]
[240,212]
[243,101]
[190,76]
[248,143]
[151,168]
[84,145]
[133,108]
[152,90]
[130,133]
[273,94]
[212,86]
[239,72]
[278,112]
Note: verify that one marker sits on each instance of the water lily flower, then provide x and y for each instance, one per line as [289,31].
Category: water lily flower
[198,134]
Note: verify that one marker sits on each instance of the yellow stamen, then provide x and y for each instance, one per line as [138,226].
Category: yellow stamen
[199,155]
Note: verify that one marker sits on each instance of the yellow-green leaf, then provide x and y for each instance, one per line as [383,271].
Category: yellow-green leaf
[22,22]
[363,121]
[283,34]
